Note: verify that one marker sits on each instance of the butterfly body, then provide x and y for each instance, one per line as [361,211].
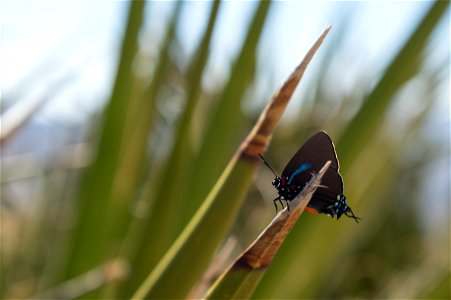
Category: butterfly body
[328,198]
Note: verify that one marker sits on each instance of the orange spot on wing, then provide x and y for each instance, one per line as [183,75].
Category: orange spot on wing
[311,210]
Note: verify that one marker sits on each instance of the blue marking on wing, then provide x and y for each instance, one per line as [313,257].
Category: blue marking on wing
[302,168]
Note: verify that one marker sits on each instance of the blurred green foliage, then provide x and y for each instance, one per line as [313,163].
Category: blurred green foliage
[134,199]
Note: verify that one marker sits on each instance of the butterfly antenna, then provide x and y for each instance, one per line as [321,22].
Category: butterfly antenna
[267,164]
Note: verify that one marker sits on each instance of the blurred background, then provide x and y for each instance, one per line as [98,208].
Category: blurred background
[117,119]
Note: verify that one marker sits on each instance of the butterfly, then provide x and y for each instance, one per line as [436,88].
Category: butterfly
[328,198]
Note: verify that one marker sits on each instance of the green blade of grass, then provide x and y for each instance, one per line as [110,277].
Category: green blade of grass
[403,67]
[225,120]
[188,257]
[240,280]
[140,118]
[153,243]
[89,237]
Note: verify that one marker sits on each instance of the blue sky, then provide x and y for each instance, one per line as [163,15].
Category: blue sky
[48,38]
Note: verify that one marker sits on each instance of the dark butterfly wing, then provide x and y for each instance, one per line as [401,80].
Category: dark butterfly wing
[326,194]
[314,154]
[331,184]
[317,151]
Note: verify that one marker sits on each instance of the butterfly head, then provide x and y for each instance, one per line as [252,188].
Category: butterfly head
[276,182]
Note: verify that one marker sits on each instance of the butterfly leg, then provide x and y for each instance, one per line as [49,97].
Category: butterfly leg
[288,206]
[281,203]
[275,203]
